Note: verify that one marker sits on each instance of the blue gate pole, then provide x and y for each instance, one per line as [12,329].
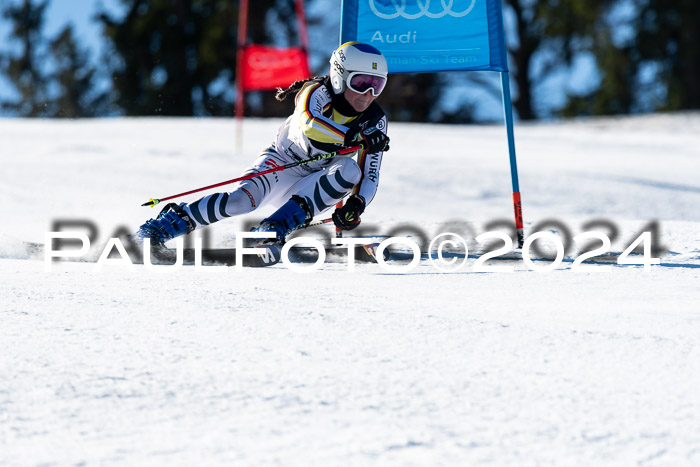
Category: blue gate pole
[508,112]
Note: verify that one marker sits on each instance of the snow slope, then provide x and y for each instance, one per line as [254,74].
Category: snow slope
[273,367]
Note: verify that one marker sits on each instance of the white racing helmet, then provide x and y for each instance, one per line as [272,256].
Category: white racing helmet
[359,66]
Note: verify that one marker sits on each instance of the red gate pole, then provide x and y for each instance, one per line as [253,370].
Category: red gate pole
[301,25]
[240,54]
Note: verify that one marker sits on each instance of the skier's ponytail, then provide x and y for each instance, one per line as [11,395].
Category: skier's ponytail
[295,87]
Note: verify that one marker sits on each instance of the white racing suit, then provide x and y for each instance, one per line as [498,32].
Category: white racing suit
[319,124]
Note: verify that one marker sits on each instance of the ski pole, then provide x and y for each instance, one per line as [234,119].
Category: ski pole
[154,201]
[317,223]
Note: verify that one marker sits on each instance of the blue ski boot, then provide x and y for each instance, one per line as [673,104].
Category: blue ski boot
[294,214]
[172,222]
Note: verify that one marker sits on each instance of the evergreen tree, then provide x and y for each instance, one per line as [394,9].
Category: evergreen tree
[75,78]
[172,57]
[551,33]
[24,70]
[52,78]
[411,97]
[656,68]
[178,57]
[668,37]
[617,92]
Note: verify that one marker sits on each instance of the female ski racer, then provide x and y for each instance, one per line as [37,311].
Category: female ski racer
[331,112]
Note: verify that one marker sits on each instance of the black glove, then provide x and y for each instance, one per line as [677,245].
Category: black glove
[374,140]
[348,217]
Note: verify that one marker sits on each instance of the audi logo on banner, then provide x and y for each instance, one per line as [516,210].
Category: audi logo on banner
[399,8]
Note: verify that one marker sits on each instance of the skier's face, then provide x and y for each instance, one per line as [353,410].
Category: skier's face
[359,102]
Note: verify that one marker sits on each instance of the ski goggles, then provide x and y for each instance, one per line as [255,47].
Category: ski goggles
[361,83]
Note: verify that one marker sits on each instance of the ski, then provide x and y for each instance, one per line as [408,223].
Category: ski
[268,255]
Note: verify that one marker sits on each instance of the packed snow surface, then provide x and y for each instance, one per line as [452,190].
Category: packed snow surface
[373,367]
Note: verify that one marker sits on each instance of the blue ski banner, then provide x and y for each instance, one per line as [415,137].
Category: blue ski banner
[429,35]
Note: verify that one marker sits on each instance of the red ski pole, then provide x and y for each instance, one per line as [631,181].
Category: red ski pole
[153,201]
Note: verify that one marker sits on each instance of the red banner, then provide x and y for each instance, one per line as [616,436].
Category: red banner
[267,67]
